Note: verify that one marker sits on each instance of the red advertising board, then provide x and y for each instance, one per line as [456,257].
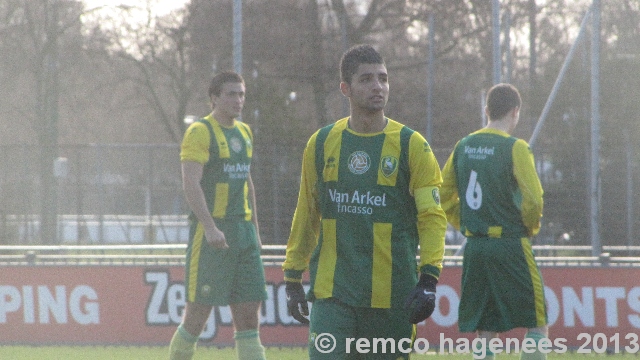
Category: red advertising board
[139,305]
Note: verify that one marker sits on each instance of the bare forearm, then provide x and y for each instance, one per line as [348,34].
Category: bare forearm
[197,203]
[191,175]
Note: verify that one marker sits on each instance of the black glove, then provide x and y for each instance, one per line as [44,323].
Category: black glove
[296,301]
[422,299]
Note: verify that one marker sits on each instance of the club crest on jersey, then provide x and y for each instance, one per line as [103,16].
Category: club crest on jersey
[359,162]
[388,165]
[236,144]
[206,289]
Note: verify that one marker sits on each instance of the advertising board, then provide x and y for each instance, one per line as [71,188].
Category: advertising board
[142,305]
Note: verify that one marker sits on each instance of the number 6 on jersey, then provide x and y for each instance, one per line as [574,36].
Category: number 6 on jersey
[474,192]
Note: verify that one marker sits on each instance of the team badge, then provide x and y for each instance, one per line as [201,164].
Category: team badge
[236,145]
[436,196]
[359,162]
[388,165]
[206,289]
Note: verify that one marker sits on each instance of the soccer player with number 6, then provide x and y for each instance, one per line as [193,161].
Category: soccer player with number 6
[492,194]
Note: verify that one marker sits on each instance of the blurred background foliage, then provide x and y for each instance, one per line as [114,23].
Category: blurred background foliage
[72,73]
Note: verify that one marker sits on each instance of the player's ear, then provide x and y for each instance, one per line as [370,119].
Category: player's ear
[345,89]
[515,112]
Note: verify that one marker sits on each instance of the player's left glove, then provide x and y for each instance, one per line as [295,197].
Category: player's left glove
[422,300]
[296,302]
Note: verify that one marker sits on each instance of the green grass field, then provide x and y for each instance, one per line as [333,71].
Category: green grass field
[208,353]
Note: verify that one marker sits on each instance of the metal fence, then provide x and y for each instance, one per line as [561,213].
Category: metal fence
[273,255]
[132,194]
[102,191]
[128,194]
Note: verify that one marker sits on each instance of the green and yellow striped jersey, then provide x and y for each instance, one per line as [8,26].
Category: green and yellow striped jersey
[366,202]
[226,157]
[491,188]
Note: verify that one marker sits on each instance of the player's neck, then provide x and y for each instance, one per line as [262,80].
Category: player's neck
[368,123]
[223,119]
[504,125]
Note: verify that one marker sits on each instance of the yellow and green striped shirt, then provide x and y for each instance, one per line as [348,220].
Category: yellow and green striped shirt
[226,157]
[366,202]
[491,187]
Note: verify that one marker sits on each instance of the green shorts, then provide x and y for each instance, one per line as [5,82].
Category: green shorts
[341,321]
[502,288]
[221,277]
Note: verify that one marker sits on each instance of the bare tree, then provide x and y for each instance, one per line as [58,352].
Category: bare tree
[35,32]
[158,51]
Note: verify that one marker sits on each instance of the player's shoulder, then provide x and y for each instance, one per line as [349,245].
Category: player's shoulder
[199,124]
[313,139]
[520,145]
[417,142]
[197,129]
[404,131]
[243,125]
[332,129]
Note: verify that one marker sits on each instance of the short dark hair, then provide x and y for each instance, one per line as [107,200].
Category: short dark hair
[215,87]
[501,99]
[356,55]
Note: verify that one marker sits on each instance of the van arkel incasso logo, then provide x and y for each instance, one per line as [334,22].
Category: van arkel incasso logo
[359,162]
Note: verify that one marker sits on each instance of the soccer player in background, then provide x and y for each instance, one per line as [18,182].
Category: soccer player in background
[223,255]
[368,197]
[492,194]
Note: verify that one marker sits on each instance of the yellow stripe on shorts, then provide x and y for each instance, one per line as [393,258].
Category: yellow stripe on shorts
[194,260]
[538,290]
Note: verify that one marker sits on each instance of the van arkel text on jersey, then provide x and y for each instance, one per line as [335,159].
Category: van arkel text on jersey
[356,202]
[237,171]
[478,152]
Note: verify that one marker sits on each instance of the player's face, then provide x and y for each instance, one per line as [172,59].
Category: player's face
[231,100]
[369,88]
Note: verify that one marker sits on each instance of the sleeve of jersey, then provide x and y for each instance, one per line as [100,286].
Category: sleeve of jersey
[432,223]
[449,193]
[525,173]
[305,227]
[195,144]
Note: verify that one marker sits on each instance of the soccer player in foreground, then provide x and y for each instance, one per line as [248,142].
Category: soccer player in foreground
[492,194]
[368,196]
[223,255]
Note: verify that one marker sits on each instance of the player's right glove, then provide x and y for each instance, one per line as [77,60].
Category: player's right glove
[422,299]
[296,301]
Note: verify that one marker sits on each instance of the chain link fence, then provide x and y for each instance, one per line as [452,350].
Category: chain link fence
[129,193]
[132,194]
